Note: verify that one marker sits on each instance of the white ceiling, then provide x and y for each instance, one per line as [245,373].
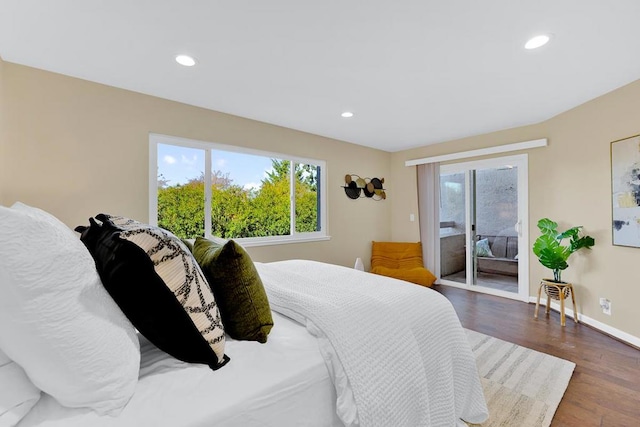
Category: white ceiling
[414,72]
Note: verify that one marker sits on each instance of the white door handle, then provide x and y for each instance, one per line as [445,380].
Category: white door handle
[518,228]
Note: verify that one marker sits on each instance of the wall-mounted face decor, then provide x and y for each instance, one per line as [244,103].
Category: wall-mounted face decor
[356,187]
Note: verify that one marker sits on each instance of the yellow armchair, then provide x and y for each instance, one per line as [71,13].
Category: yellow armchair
[400,260]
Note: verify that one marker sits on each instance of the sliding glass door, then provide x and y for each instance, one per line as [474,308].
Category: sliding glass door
[453,226]
[483,217]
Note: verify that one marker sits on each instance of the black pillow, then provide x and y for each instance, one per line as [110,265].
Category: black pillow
[159,286]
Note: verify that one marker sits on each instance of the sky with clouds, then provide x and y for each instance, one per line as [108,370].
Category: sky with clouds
[180,164]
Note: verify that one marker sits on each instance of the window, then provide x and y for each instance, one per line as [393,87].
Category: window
[207,189]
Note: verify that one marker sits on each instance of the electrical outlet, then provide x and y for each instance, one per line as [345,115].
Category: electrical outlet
[605,304]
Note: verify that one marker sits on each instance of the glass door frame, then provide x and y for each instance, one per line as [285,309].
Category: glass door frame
[522,226]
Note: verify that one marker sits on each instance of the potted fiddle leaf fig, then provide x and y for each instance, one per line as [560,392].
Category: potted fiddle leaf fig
[552,253]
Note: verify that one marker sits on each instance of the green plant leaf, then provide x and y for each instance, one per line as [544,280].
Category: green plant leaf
[548,227]
[544,242]
[549,249]
[572,233]
[554,259]
[583,242]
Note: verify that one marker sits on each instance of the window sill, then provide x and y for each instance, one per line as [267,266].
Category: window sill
[281,240]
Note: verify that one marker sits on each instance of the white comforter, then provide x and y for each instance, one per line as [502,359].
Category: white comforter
[405,355]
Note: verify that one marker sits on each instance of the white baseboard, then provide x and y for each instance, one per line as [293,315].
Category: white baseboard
[610,330]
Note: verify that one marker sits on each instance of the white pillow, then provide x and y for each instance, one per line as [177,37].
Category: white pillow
[17,392]
[483,249]
[56,319]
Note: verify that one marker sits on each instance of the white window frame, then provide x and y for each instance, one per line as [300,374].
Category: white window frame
[294,237]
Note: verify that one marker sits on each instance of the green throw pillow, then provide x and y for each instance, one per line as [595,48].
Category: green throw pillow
[237,287]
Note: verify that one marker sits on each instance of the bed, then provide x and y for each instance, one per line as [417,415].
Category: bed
[346,348]
[282,383]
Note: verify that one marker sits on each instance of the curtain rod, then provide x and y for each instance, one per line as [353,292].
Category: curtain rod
[480,152]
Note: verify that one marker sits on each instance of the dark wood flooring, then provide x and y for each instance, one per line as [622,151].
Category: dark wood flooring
[605,387]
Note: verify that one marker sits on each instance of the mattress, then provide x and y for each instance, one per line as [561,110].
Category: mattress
[284,382]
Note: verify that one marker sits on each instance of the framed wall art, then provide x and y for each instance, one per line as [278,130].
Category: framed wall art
[625,191]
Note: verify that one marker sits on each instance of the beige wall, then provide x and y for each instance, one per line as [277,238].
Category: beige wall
[569,182]
[77,148]
[2,132]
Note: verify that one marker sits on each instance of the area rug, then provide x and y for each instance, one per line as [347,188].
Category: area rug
[522,387]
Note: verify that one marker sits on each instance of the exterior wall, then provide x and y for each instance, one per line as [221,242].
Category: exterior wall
[78,148]
[569,182]
[496,202]
[452,203]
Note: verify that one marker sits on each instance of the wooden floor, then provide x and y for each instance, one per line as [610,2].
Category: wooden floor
[605,387]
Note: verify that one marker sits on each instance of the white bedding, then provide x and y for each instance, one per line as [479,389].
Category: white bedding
[281,383]
[401,346]
[395,352]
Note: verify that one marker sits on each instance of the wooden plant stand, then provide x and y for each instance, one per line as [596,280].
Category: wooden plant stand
[557,291]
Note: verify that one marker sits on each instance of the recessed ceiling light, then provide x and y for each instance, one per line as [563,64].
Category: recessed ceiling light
[537,41]
[185,60]
[347,114]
